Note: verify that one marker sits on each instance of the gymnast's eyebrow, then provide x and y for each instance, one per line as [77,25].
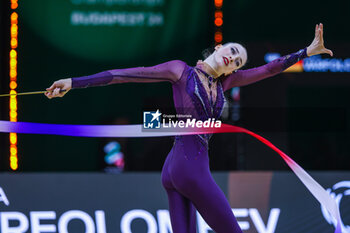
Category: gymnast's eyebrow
[235,49]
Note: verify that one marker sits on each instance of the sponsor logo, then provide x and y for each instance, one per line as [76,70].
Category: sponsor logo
[50,221]
[41,221]
[3,197]
[315,64]
[338,192]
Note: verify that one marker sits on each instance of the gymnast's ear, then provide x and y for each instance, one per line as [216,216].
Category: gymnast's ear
[218,46]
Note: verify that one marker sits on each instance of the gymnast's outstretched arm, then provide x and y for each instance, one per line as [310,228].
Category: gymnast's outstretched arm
[245,77]
[169,71]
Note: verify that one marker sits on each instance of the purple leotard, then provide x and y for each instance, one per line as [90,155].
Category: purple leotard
[186,175]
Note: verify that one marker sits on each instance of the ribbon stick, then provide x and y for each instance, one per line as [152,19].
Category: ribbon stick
[136,131]
[27,93]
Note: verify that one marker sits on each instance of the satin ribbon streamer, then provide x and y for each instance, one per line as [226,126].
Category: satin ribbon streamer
[136,131]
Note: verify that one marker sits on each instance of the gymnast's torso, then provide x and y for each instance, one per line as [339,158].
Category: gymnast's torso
[188,157]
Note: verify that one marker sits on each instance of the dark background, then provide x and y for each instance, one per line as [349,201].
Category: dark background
[295,111]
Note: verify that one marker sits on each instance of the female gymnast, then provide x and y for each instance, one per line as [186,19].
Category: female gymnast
[197,91]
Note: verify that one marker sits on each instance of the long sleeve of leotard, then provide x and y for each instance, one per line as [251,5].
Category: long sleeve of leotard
[169,71]
[245,77]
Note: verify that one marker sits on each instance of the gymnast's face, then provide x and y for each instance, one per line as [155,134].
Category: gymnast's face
[229,57]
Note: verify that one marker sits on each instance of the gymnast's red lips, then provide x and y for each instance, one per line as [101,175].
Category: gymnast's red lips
[225,60]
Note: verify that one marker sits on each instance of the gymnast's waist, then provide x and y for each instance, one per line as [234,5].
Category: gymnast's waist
[202,139]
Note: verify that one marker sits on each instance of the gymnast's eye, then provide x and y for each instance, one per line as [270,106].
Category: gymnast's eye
[233,51]
[238,62]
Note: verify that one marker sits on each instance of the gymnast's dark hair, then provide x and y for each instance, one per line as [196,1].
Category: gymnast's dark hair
[208,51]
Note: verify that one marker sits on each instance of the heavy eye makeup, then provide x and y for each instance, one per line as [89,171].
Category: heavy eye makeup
[234,50]
[238,62]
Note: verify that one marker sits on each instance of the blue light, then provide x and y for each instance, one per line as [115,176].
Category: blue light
[317,64]
[271,56]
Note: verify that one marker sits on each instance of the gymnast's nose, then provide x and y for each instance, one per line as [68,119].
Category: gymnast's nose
[231,58]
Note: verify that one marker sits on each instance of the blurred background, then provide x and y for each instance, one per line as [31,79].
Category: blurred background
[305,111]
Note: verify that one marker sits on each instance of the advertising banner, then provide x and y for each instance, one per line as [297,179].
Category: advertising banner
[115,30]
[263,202]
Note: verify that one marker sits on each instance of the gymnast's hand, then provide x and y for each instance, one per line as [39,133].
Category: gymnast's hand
[56,87]
[317,45]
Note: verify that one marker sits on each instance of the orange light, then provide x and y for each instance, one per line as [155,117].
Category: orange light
[14,6]
[14,16]
[13,104]
[218,37]
[14,158]
[13,149]
[13,138]
[13,53]
[13,63]
[14,166]
[218,22]
[13,100]
[14,43]
[13,73]
[14,21]
[14,30]
[13,85]
[13,107]
[13,162]
[218,14]
[218,3]
[13,114]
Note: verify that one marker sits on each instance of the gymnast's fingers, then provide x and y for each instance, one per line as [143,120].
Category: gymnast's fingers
[52,94]
[61,93]
[56,92]
[52,87]
[328,51]
[321,31]
[48,94]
